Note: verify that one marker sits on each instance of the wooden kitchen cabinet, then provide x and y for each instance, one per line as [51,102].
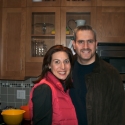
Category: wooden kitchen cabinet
[14,3]
[43,25]
[44,3]
[75,13]
[76,3]
[13,43]
[111,3]
[110,24]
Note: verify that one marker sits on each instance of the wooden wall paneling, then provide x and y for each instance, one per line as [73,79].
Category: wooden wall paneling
[13,47]
[110,25]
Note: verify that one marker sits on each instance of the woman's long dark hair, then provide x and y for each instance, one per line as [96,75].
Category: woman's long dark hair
[47,60]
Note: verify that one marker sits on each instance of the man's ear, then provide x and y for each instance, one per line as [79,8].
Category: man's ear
[96,44]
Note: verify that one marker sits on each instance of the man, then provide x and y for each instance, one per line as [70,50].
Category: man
[98,92]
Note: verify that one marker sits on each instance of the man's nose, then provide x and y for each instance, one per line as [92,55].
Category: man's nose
[85,44]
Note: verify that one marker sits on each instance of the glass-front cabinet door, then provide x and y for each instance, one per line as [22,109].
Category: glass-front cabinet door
[71,17]
[43,31]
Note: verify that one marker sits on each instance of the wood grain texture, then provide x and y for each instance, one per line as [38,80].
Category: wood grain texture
[14,3]
[78,2]
[13,47]
[44,3]
[111,3]
[110,24]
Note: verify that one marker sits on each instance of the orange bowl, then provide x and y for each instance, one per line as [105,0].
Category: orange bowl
[26,115]
[12,116]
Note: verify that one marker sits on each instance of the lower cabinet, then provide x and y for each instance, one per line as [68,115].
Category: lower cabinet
[13,43]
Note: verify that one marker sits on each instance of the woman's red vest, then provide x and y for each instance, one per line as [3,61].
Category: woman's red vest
[63,109]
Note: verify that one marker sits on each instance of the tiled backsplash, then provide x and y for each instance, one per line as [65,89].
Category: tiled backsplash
[8,92]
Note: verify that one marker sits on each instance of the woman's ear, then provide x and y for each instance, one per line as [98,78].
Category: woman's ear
[49,66]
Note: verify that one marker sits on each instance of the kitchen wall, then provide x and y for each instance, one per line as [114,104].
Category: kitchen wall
[8,92]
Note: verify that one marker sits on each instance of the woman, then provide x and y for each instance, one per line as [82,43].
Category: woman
[50,103]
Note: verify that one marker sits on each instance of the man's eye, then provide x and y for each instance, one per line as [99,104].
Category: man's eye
[80,41]
[90,41]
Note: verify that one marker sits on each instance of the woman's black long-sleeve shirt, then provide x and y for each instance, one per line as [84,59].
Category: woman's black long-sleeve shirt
[42,105]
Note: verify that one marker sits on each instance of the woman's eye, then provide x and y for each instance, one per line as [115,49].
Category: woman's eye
[57,62]
[67,61]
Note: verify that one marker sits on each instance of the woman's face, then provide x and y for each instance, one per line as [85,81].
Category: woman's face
[60,65]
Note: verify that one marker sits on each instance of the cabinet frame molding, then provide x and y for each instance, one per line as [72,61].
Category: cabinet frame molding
[14,3]
[78,3]
[43,3]
[111,3]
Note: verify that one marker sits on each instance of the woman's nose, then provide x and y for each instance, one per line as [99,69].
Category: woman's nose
[62,65]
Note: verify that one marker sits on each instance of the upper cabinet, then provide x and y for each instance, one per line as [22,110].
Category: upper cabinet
[43,3]
[111,3]
[78,3]
[14,3]
[110,24]
[13,43]
[28,29]
[43,31]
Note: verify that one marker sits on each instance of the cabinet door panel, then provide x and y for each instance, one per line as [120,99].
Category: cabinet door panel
[13,38]
[14,3]
[110,25]
[43,3]
[110,3]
